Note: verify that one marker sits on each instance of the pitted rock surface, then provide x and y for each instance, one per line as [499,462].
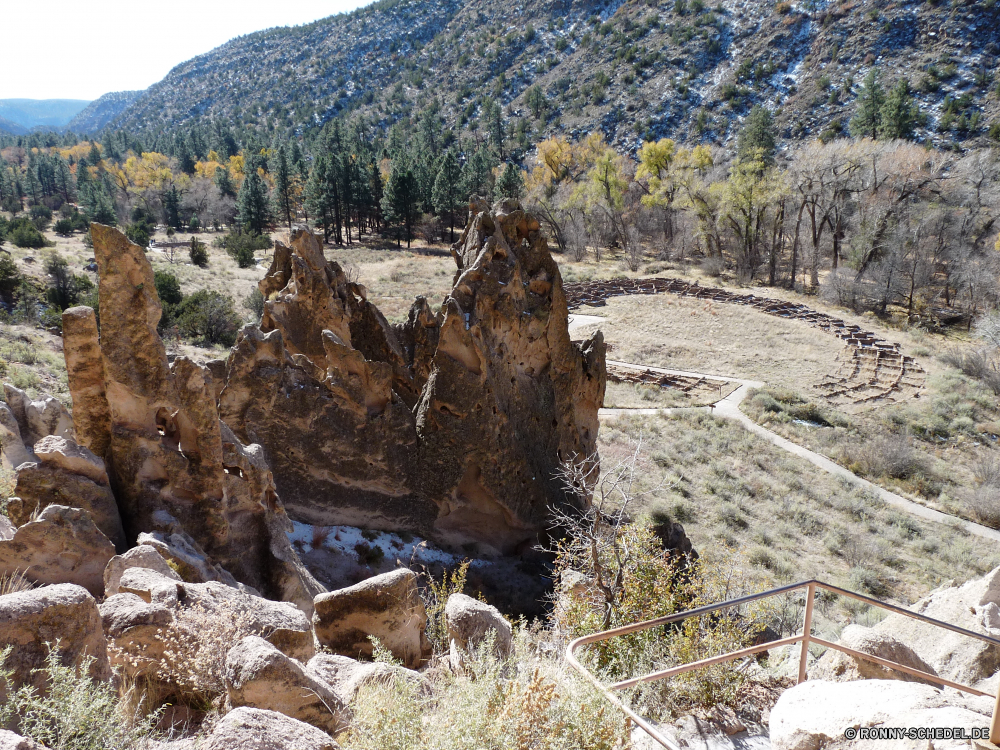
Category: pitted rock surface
[452,424]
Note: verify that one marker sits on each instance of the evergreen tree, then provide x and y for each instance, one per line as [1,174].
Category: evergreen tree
[224,182]
[871,99]
[510,185]
[252,209]
[172,207]
[320,197]
[282,185]
[757,138]
[399,201]
[447,189]
[478,174]
[899,114]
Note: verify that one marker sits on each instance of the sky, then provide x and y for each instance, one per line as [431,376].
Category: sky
[81,49]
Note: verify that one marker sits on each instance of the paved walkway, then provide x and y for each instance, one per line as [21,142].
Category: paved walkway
[729,407]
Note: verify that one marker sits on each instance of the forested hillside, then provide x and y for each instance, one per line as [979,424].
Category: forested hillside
[634,70]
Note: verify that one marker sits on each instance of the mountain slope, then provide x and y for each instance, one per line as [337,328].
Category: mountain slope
[40,113]
[101,111]
[636,69]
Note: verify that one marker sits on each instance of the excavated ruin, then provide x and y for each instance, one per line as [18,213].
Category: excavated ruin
[452,425]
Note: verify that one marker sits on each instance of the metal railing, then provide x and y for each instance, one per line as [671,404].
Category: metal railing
[805,638]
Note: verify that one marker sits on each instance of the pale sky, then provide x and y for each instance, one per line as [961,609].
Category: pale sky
[81,49]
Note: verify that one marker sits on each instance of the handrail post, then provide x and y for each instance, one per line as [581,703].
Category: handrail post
[995,723]
[806,631]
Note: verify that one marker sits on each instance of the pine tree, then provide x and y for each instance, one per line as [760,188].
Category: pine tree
[282,186]
[478,174]
[757,139]
[172,207]
[224,182]
[899,114]
[510,184]
[871,99]
[319,196]
[447,189]
[399,201]
[252,209]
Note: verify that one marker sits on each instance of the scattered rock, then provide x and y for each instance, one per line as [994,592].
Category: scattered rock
[62,546]
[40,485]
[190,560]
[259,676]
[815,713]
[135,628]
[469,623]
[387,606]
[142,556]
[13,452]
[840,667]
[65,613]
[346,676]
[257,729]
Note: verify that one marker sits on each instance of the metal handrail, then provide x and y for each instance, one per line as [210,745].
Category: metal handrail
[805,638]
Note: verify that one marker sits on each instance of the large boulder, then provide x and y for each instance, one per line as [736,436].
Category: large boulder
[257,729]
[13,451]
[815,713]
[408,427]
[387,607]
[953,656]
[11,741]
[142,556]
[62,546]
[470,622]
[837,666]
[156,423]
[346,676]
[67,474]
[153,610]
[63,616]
[259,676]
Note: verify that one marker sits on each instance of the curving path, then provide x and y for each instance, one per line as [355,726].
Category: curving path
[729,407]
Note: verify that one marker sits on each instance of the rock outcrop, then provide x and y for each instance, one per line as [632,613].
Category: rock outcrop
[346,676]
[30,620]
[62,546]
[815,714]
[11,741]
[258,729]
[141,556]
[171,461]
[259,676]
[837,666]
[387,607]
[470,622]
[451,425]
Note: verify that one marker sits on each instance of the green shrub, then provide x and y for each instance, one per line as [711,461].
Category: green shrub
[41,217]
[208,317]
[23,233]
[241,245]
[65,288]
[10,278]
[64,227]
[138,234]
[76,713]
[198,253]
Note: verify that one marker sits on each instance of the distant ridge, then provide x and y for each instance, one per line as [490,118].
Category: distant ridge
[47,114]
[6,126]
[102,111]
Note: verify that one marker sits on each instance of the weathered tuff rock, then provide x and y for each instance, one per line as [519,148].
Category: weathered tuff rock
[62,546]
[64,612]
[66,473]
[149,609]
[259,676]
[953,656]
[13,452]
[11,741]
[388,607]
[37,419]
[346,676]
[840,667]
[451,425]
[814,714]
[170,459]
[257,729]
[469,623]
[141,556]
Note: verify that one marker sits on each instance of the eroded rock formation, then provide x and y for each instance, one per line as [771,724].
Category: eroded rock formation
[172,464]
[452,425]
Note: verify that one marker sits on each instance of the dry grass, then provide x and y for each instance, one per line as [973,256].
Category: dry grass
[732,488]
